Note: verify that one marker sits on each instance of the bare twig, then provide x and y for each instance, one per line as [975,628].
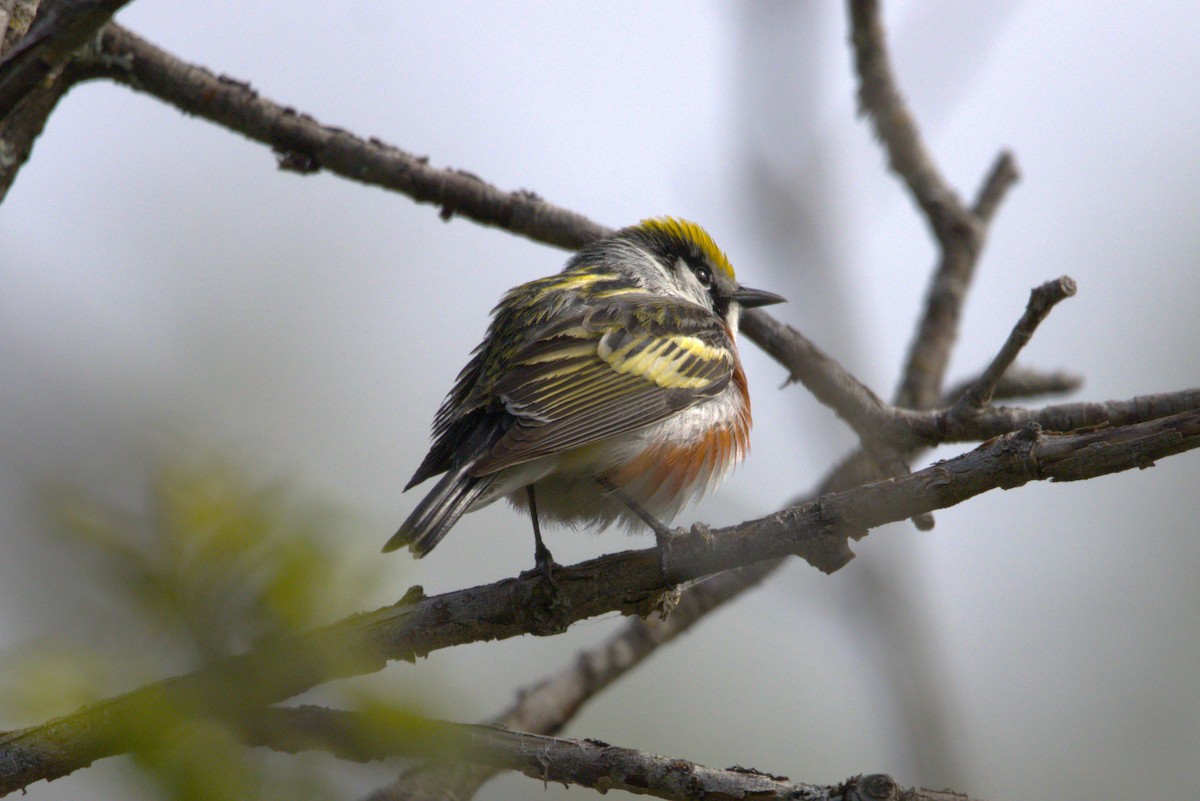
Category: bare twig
[629,582]
[820,374]
[587,763]
[1019,382]
[1041,300]
[999,180]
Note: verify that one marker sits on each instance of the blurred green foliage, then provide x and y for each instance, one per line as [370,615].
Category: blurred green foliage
[214,565]
[219,562]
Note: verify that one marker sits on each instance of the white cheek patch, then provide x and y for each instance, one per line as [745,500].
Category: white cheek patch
[689,285]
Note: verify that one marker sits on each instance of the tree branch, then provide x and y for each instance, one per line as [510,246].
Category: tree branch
[1041,300]
[20,129]
[62,27]
[548,706]
[303,145]
[1019,382]
[959,231]
[629,582]
[587,763]
[880,99]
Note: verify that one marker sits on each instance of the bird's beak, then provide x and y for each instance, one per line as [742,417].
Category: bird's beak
[751,298]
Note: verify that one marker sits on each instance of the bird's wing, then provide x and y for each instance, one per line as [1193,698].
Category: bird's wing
[604,372]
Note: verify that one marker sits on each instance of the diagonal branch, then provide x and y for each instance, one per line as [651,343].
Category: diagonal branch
[1019,382]
[1041,300]
[629,582]
[880,99]
[304,145]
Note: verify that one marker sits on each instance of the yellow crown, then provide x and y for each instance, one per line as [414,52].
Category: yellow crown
[688,231]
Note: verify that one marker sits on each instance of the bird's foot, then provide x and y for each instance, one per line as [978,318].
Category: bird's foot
[543,565]
[665,538]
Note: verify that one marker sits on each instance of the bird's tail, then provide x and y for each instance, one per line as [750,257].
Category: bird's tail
[439,511]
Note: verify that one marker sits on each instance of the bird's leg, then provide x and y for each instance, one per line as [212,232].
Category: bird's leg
[662,535]
[543,561]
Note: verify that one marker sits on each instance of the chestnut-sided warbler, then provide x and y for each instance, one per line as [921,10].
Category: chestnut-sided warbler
[609,391]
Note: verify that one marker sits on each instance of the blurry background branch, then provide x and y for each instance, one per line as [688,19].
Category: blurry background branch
[548,706]
[588,763]
[960,231]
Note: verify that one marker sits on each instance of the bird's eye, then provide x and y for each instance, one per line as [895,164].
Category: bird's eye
[703,275]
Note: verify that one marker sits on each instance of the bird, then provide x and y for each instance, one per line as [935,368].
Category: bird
[611,391]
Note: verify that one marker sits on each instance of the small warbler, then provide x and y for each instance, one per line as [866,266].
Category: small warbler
[611,391]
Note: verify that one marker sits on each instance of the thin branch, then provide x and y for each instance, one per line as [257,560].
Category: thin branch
[1019,382]
[629,582]
[904,429]
[304,145]
[587,763]
[880,99]
[820,374]
[23,126]
[1000,178]
[1041,300]
[18,132]
[995,420]
[959,231]
[62,27]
